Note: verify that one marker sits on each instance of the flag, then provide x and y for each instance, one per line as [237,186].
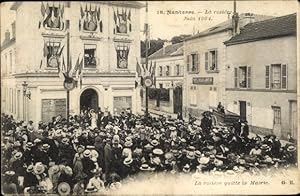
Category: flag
[137,73]
[76,66]
[60,51]
[46,52]
[43,10]
[62,10]
[129,15]
[80,72]
[41,63]
[153,74]
[81,12]
[47,9]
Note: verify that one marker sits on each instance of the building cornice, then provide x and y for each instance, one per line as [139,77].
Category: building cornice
[51,74]
[262,90]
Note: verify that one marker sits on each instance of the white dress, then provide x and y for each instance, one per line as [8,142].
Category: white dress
[93,120]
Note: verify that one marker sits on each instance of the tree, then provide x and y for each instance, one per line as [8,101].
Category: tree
[155,45]
[179,38]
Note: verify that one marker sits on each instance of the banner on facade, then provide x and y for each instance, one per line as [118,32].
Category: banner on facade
[203,80]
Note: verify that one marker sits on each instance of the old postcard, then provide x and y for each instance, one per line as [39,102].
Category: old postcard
[149,97]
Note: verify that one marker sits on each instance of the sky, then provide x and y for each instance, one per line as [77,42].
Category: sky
[206,14]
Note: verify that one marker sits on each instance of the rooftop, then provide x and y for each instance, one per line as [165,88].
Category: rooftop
[171,50]
[224,26]
[274,27]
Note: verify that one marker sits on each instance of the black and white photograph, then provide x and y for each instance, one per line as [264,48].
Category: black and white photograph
[150,97]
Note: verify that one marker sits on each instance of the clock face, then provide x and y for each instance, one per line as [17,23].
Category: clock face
[69,85]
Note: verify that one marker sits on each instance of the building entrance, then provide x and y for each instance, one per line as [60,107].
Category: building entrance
[89,100]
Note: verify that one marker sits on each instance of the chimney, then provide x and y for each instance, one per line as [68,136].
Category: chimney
[246,18]
[7,35]
[167,43]
[13,28]
[235,21]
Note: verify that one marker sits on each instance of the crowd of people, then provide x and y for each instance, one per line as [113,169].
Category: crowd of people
[94,151]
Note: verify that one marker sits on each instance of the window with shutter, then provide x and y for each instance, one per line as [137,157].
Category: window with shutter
[284,76]
[188,62]
[197,62]
[206,60]
[235,77]
[249,77]
[267,76]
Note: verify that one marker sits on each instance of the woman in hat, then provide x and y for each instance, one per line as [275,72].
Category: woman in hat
[77,162]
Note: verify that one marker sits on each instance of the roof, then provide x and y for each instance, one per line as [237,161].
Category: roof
[267,29]
[224,26]
[6,43]
[171,50]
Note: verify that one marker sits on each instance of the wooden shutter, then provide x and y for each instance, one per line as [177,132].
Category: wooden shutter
[206,60]
[188,62]
[249,77]
[235,77]
[216,59]
[284,76]
[267,76]
[196,62]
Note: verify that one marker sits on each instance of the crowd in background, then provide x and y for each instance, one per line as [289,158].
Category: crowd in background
[95,151]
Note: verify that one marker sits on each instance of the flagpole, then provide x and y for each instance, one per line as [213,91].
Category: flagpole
[146,42]
[68,65]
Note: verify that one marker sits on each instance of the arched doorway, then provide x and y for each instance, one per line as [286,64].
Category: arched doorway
[89,99]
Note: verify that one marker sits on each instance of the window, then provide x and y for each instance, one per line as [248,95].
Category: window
[52,50]
[211,60]
[6,63]
[160,70]
[177,70]
[242,77]
[193,96]
[277,115]
[167,70]
[276,76]
[90,56]
[53,18]
[10,62]
[122,57]
[193,63]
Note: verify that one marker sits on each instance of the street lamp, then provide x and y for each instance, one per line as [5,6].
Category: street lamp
[26,91]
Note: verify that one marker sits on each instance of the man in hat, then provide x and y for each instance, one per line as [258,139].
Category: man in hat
[116,154]
[66,152]
[53,150]
[107,157]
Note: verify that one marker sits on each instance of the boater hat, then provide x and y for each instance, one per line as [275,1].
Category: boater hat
[158,151]
[145,167]
[64,188]
[39,168]
[18,155]
[127,161]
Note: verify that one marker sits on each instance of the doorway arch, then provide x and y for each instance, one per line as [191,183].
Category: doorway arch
[89,99]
